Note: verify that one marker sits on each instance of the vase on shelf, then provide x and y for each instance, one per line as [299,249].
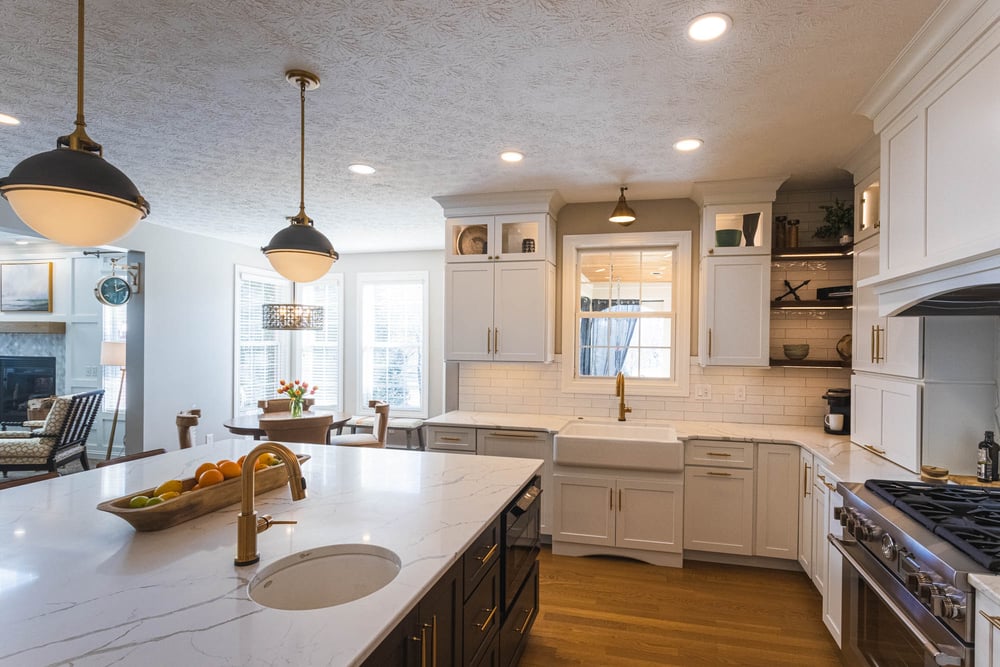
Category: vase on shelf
[750,222]
[295,407]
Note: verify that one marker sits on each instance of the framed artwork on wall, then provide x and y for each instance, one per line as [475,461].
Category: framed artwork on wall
[26,287]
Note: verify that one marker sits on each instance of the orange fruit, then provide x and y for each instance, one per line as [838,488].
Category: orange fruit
[260,466]
[196,487]
[210,477]
[203,467]
[230,469]
[241,460]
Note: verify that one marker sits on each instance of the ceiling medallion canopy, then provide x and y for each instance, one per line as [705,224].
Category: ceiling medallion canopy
[71,194]
[300,252]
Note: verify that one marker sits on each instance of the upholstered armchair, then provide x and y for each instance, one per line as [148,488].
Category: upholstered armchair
[61,437]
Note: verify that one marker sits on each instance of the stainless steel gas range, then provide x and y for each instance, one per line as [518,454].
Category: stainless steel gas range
[908,550]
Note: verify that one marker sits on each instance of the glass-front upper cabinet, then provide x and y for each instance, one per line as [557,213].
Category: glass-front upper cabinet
[501,237]
[866,207]
[736,229]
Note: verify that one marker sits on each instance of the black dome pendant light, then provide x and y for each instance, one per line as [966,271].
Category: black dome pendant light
[71,194]
[300,252]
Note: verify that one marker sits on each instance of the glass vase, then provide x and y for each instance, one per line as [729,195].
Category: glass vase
[295,407]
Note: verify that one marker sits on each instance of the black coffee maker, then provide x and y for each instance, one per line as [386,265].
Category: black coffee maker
[838,415]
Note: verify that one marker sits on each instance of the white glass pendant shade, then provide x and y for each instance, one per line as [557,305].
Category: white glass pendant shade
[299,266]
[73,197]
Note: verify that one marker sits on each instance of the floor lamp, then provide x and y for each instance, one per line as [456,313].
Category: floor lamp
[113,354]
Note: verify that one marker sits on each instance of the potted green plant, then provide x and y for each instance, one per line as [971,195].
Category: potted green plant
[838,223]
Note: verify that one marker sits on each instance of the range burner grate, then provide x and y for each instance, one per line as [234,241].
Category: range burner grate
[966,516]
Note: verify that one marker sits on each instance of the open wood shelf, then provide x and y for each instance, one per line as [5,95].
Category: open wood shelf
[813,304]
[811,363]
[33,327]
[813,252]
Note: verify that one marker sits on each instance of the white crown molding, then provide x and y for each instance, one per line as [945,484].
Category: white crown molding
[953,27]
[862,162]
[501,203]
[740,191]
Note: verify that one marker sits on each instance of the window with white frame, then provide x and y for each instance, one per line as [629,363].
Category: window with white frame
[114,328]
[626,308]
[393,321]
[263,357]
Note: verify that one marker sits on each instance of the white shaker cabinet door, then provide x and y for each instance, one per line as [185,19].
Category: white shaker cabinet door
[718,510]
[584,510]
[523,316]
[776,530]
[469,312]
[806,527]
[650,515]
[736,322]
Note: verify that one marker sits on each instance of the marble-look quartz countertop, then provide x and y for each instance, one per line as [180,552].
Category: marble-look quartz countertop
[80,586]
[849,462]
[987,585]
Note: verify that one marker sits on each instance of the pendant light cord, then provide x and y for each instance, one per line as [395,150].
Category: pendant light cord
[79,65]
[302,145]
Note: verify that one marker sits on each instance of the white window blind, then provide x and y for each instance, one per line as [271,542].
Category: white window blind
[393,337]
[261,357]
[114,327]
[321,352]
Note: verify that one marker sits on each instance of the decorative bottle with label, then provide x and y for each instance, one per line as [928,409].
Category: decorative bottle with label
[994,454]
[984,462]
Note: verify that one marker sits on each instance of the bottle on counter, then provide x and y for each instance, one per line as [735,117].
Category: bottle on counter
[994,454]
[984,461]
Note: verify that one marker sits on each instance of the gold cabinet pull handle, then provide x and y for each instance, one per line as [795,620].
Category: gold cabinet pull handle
[619,500]
[496,340]
[874,450]
[434,639]
[489,619]
[879,336]
[488,350]
[450,438]
[508,434]
[527,620]
[611,499]
[710,342]
[489,554]
[873,344]
[805,480]
[821,476]
[718,454]
[422,640]
[719,474]
[830,486]
[993,620]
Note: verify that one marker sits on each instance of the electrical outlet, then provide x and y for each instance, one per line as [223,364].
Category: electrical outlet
[740,393]
[91,372]
[209,438]
[703,392]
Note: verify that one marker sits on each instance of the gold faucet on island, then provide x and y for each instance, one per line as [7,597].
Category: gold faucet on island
[247,524]
[620,393]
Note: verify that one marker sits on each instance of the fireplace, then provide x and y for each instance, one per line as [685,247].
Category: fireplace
[21,379]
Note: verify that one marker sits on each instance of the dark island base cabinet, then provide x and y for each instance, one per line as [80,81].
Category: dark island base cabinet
[462,621]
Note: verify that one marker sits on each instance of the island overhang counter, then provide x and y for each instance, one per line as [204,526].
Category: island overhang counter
[81,586]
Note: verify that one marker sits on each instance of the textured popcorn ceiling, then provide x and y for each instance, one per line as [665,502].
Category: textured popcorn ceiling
[189,99]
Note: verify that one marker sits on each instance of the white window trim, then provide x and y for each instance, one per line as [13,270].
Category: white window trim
[283,346]
[391,277]
[681,347]
[296,345]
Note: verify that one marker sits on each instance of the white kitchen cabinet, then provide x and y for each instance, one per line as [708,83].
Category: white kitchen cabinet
[719,510]
[987,648]
[776,528]
[752,222]
[490,238]
[735,317]
[451,439]
[886,417]
[827,561]
[620,515]
[500,311]
[805,496]
[889,345]
[526,445]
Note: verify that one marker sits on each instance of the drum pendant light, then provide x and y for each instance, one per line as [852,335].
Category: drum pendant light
[300,252]
[623,214]
[71,194]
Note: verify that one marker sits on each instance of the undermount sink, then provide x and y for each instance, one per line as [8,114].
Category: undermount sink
[619,445]
[324,576]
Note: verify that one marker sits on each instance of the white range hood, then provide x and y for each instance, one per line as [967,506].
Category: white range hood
[966,287]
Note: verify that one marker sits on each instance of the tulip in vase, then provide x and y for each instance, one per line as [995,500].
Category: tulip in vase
[296,392]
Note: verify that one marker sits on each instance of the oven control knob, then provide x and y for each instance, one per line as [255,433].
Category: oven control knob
[889,549]
[917,581]
[945,606]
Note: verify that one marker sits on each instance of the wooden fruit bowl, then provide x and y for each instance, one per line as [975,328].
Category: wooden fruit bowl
[190,505]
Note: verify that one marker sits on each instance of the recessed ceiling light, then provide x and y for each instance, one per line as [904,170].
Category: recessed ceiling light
[8,120]
[363,169]
[685,145]
[21,242]
[511,156]
[707,27]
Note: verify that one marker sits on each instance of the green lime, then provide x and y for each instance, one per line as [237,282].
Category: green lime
[155,500]
[138,501]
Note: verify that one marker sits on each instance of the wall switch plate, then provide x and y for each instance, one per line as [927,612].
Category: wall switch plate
[703,392]
[209,438]
[740,393]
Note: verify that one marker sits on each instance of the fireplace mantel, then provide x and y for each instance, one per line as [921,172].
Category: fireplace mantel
[33,327]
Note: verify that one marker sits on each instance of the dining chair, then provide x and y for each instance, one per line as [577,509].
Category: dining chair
[298,429]
[374,439]
[131,457]
[282,404]
[10,484]
[186,422]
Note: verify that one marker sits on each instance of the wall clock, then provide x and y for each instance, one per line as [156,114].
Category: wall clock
[113,291]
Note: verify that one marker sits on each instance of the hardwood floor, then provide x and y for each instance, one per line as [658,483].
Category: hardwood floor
[616,611]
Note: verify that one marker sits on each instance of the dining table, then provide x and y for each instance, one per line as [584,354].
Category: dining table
[253,424]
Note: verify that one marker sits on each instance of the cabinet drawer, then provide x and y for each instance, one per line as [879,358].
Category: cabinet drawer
[451,439]
[481,556]
[520,617]
[719,453]
[482,616]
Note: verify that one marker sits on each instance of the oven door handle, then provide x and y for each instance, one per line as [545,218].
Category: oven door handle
[940,657]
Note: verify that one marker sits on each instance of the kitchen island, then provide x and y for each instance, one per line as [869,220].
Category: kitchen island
[80,586]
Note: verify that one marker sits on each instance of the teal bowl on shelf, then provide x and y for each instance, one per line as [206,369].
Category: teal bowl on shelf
[728,238]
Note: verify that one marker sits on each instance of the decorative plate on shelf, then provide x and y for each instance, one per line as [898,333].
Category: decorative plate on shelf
[472,240]
[844,346]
